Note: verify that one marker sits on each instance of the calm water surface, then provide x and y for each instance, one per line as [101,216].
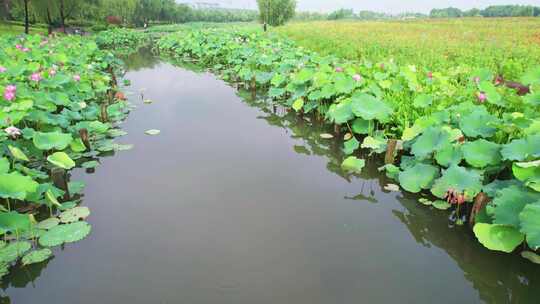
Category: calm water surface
[233,203]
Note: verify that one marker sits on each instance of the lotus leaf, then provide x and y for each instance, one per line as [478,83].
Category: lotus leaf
[498,237]
[36,256]
[418,177]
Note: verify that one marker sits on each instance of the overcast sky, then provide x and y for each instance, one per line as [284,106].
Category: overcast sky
[387,6]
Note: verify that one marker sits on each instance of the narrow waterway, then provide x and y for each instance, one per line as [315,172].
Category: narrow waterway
[237,203]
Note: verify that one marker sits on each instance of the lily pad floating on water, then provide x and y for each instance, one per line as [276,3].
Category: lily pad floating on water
[418,177]
[13,251]
[74,215]
[441,205]
[65,234]
[152,132]
[48,223]
[391,187]
[531,256]
[353,164]
[36,256]
[90,164]
[498,237]
[148,101]
[326,136]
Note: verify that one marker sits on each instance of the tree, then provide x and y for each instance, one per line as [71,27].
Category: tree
[276,12]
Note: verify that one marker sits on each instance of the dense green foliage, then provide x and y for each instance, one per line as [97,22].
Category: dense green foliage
[459,135]
[276,12]
[58,112]
[490,11]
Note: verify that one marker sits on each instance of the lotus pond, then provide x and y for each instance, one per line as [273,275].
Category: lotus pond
[282,175]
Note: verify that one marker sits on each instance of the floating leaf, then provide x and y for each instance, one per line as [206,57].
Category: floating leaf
[36,256]
[13,251]
[498,237]
[418,177]
[62,160]
[65,234]
[441,205]
[378,145]
[48,223]
[391,187]
[353,164]
[531,256]
[74,215]
[326,136]
[152,132]
[481,153]
[90,164]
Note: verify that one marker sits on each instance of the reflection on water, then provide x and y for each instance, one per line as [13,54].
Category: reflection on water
[221,208]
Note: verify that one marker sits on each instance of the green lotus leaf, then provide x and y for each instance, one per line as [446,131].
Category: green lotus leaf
[498,237]
[341,112]
[532,99]
[481,153]
[362,126]
[52,140]
[459,179]
[298,104]
[36,256]
[17,153]
[509,202]
[13,221]
[353,164]
[77,145]
[90,164]
[76,187]
[377,144]
[495,186]
[4,165]
[418,177]
[62,160]
[343,84]
[17,186]
[351,145]
[441,205]
[532,76]
[431,140]
[48,223]
[478,123]
[522,149]
[369,107]
[449,155]
[65,234]
[422,101]
[531,256]
[530,224]
[491,93]
[74,215]
[13,251]
[528,173]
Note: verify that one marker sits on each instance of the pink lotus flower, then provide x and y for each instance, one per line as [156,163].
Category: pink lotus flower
[357,77]
[36,77]
[481,96]
[18,46]
[77,78]
[13,131]
[339,69]
[9,95]
[11,88]
[2,69]
[25,50]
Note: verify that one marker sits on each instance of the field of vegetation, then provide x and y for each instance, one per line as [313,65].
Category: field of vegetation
[463,138]
[452,106]
[506,46]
